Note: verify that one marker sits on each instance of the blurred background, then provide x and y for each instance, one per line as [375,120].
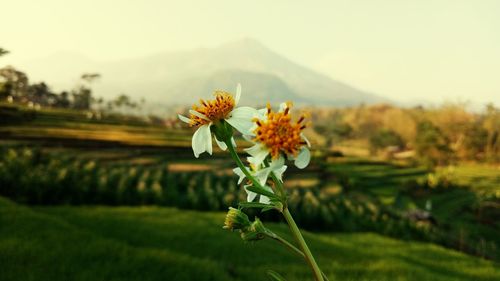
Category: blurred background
[97,176]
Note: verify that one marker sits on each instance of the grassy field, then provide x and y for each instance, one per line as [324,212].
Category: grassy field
[153,243]
[156,243]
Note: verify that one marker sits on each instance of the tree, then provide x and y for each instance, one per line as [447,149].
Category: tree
[474,142]
[15,83]
[431,145]
[90,77]
[82,98]
[491,124]
[82,94]
[40,93]
[63,100]
[3,52]
[385,138]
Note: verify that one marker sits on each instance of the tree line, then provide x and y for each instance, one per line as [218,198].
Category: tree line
[15,87]
[436,136]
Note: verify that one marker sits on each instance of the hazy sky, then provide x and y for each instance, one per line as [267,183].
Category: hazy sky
[407,50]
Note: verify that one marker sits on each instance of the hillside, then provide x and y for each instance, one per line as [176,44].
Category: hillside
[183,76]
[152,243]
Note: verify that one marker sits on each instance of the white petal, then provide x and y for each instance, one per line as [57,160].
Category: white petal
[208,137]
[251,131]
[241,119]
[238,94]
[196,113]
[279,173]
[250,194]
[262,175]
[259,153]
[248,138]
[305,139]
[262,112]
[222,145]
[277,163]
[303,158]
[240,174]
[184,119]
[264,199]
[199,141]
[283,106]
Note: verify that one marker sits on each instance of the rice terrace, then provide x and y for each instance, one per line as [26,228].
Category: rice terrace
[233,162]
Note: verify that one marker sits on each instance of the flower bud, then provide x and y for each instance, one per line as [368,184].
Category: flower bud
[255,232]
[236,220]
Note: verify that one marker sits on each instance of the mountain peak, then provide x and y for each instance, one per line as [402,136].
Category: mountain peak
[181,77]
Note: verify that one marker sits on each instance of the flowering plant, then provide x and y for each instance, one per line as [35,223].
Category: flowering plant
[276,138]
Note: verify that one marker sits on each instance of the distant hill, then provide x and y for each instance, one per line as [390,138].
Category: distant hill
[184,76]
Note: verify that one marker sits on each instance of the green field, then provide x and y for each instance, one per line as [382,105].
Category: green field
[62,158]
[153,243]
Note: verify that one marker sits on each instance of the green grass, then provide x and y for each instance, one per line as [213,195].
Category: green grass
[480,177]
[381,179]
[152,243]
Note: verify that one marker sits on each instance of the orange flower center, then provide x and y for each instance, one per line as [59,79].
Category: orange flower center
[280,133]
[215,109]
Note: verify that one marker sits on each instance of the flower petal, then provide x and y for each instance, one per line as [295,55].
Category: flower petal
[238,94]
[250,194]
[240,174]
[283,106]
[305,139]
[277,163]
[184,119]
[199,141]
[196,113]
[279,173]
[262,175]
[241,119]
[222,145]
[258,152]
[248,138]
[264,199]
[208,138]
[303,158]
[262,113]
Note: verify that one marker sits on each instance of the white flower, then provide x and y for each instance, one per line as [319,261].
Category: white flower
[223,107]
[261,174]
[276,135]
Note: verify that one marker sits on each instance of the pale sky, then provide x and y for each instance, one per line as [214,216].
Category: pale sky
[404,50]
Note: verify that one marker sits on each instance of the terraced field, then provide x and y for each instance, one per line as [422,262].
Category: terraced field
[153,243]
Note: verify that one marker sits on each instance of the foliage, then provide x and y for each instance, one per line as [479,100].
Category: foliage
[3,52]
[385,138]
[439,135]
[29,176]
[151,243]
[431,144]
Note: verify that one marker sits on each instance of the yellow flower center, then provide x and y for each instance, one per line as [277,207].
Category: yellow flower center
[279,133]
[215,109]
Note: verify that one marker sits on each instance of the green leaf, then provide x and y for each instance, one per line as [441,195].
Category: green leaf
[253,205]
[275,276]
[268,208]
[262,191]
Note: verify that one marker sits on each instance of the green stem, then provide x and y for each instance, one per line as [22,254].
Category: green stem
[286,244]
[302,243]
[288,217]
[291,247]
[240,164]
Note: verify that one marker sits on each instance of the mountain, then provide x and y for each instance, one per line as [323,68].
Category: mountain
[185,76]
